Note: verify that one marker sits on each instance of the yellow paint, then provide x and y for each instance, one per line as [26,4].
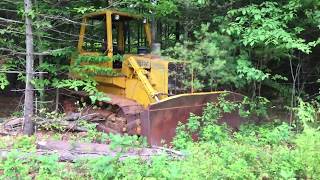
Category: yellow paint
[112,89]
[141,74]
[193,94]
[104,11]
[136,91]
[117,81]
[147,29]
[82,31]
[109,33]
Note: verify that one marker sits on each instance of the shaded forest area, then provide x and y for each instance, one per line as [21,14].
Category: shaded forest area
[267,51]
[261,49]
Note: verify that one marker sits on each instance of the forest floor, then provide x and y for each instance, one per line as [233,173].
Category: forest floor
[9,105]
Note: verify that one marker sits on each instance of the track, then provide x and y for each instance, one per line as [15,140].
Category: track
[120,115]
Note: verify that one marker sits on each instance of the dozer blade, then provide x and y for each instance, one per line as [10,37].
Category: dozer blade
[159,120]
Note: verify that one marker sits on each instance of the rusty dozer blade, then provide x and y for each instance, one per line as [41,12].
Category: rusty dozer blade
[159,120]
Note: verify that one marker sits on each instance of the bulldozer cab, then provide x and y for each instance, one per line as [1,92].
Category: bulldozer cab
[109,33]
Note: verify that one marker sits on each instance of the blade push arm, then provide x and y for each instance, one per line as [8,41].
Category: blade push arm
[144,80]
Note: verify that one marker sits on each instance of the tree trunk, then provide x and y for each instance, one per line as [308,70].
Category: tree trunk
[41,77]
[154,29]
[28,128]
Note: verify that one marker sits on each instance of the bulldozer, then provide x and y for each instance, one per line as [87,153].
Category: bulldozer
[148,96]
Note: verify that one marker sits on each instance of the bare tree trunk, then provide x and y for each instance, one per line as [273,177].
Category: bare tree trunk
[41,103]
[156,46]
[28,128]
[154,29]
[57,100]
[295,74]
[153,23]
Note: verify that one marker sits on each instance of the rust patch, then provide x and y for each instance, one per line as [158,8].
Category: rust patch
[160,120]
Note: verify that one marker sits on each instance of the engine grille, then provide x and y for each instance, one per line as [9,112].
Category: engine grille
[179,78]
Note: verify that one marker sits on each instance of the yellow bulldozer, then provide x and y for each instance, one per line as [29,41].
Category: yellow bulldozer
[148,97]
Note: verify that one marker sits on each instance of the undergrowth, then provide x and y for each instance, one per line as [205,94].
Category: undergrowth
[267,151]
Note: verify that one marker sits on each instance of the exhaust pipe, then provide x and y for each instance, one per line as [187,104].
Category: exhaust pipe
[156,49]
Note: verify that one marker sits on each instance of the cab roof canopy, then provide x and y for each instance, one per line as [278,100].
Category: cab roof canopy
[113,12]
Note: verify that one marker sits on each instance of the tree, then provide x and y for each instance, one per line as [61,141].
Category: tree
[28,127]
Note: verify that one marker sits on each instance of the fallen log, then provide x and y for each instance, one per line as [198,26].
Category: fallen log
[64,156]
[170,151]
[13,124]
[60,124]
[83,116]
[73,151]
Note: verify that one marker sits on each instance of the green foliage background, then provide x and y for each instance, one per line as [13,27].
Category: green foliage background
[263,49]
[250,47]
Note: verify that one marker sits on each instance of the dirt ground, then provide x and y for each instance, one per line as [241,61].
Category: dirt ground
[9,105]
